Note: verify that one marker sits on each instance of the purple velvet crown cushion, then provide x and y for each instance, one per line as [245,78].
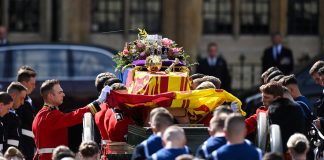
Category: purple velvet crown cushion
[164,63]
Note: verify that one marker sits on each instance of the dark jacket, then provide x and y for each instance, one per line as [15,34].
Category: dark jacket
[12,124]
[219,70]
[285,61]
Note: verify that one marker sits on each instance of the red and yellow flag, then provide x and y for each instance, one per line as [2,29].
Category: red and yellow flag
[198,103]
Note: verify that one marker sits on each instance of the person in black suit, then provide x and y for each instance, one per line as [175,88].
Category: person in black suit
[3,36]
[215,65]
[278,56]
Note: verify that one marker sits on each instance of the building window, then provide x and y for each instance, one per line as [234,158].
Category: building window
[254,16]
[24,15]
[303,16]
[146,14]
[107,15]
[217,16]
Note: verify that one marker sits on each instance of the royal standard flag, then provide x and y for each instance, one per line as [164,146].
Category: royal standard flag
[198,103]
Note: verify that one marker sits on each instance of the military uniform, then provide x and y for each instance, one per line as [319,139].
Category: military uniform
[12,125]
[99,119]
[3,136]
[26,114]
[50,127]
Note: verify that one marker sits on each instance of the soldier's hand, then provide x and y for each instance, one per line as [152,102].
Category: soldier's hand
[103,95]
[234,106]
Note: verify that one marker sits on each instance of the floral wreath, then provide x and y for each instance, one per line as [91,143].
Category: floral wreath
[147,45]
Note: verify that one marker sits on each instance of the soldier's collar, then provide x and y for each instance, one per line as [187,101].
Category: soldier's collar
[51,107]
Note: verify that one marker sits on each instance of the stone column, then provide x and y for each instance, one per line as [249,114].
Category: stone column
[278,16]
[236,18]
[169,18]
[45,19]
[76,20]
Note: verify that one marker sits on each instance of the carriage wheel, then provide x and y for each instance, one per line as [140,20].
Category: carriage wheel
[88,127]
[275,138]
[262,130]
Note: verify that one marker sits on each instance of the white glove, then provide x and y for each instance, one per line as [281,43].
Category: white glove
[103,95]
[234,106]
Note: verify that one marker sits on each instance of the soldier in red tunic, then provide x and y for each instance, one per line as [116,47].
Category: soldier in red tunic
[50,125]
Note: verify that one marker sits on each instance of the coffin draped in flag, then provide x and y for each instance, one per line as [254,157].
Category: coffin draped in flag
[198,103]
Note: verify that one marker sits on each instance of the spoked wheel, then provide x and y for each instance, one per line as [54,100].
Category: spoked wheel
[275,138]
[88,127]
[262,130]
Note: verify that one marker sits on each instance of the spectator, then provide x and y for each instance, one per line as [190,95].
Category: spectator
[314,69]
[270,92]
[216,131]
[6,102]
[51,122]
[89,151]
[61,152]
[3,36]
[174,141]
[278,56]
[11,121]
[27,77]
[236,147]
[215,65]
[160,120]
[298,146]
[272,156]
[321,75]
[13,153]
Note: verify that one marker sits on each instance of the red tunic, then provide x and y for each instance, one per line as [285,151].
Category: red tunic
[100,119]
[50,128]
[116,129]
[251,122]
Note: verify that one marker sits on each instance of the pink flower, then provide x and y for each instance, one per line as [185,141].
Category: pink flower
[176,50]
[140,45]
[132,51]
[166,42]
[125,51]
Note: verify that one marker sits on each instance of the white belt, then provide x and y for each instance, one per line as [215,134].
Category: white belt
[13,142]
[27,133]
[45,150]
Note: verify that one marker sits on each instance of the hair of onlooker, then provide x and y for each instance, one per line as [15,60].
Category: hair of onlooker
[272,75]
[205,85]
[25,73]
[89,150]
[111,81]
[321,71]
[196,75]
[102,78]
[235,126]
[174,136]
[272,156]
[299,143]
[185,157]
[161,121]
[272,88]
[212,44]
[118,86]
[217,123]
[61,152]
[157,110]
[266,73]
[289,79]
[12,153]
[47,87]
[316,66]
[5,98]
[276,78]
[216,81]
[16,87]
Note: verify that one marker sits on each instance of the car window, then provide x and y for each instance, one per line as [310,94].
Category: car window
[89,64]
[47,63]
